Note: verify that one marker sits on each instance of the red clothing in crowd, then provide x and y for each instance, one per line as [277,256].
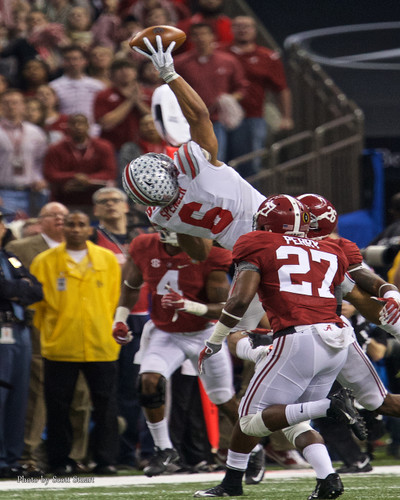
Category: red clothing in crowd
[63,160]
[264,70]
[126,131]
[220,73]
[221,25]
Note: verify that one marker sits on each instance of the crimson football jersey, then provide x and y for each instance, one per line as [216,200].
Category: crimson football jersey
[185,276]
[298,276]
[350,249]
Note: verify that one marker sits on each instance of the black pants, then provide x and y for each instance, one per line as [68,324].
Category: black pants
[59,383]
[186,422]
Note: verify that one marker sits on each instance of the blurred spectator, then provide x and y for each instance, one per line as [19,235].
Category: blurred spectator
[265,72]
[18,289]
[22,148]
[47,38]
[4,83]
[19,24]
[55,123]
[34,73]
[78,27]
[30,227]
[157,16]
[100,59]
[111,209]
[57,10]
[118,109]
[219,79]
[79,280]
[35,112]
[75,90]
[105,28]
[149,142]
[149,78]
[42,40]
[141,8]
[78,165]
[50,235]
[129,27]
[211,13]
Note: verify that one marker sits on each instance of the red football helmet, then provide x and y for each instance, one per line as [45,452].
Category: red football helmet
[323,215]
[282,214]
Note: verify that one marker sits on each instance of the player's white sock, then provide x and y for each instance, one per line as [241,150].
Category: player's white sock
[318,457]
[300,412]
[237,461]
[245,351]
[159,433]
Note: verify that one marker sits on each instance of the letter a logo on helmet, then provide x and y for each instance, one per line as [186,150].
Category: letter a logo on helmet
[282,214]
[151,180]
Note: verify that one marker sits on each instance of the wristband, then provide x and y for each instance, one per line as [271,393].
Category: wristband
[231,315]
[394,294]
[220,332]
[170,76]
[393,289]
[195,308]
[121,314]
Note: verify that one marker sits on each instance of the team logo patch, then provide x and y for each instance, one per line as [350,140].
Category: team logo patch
[155,263]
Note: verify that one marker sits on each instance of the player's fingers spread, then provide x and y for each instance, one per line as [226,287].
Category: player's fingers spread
[142,52]
[159,43]
[171,47]
[148,45]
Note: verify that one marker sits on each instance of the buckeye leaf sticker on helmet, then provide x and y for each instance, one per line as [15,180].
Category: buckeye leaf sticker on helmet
[151,180]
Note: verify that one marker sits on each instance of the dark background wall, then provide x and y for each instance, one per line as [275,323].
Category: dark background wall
[285,17]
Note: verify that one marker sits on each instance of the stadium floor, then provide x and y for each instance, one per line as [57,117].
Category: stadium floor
[89,482]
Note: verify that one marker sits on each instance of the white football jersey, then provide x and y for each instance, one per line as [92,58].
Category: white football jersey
[214,202]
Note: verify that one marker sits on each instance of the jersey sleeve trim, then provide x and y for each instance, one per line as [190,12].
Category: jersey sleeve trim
[187,162]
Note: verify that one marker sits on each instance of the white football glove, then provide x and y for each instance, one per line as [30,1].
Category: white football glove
[162,61]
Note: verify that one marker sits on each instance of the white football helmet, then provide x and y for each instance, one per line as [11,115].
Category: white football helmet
[151,179]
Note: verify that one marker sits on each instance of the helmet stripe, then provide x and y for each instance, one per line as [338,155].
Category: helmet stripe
[135,190]
[297,213]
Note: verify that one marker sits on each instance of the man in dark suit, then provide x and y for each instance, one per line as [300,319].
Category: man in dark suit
[51,219]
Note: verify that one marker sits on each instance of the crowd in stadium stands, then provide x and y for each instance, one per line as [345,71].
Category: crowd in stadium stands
[75,108]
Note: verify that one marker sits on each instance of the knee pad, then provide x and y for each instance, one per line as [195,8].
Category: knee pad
[156,399]
[293,431]
[253,425]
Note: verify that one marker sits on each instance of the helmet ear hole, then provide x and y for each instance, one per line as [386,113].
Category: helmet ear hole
[151,179]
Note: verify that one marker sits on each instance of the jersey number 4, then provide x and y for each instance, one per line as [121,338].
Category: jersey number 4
[216,219]
[303,267]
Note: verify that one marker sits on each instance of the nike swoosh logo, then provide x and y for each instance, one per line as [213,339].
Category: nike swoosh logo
[182,266]
[301,408]
[259,475]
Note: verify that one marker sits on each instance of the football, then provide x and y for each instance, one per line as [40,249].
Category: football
[168,34]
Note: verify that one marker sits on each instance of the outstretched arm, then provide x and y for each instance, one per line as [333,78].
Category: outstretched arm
[193,107]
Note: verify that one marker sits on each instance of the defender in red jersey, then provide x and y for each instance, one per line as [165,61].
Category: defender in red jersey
[185,295]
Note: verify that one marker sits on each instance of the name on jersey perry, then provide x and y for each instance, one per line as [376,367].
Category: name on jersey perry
[295,240]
